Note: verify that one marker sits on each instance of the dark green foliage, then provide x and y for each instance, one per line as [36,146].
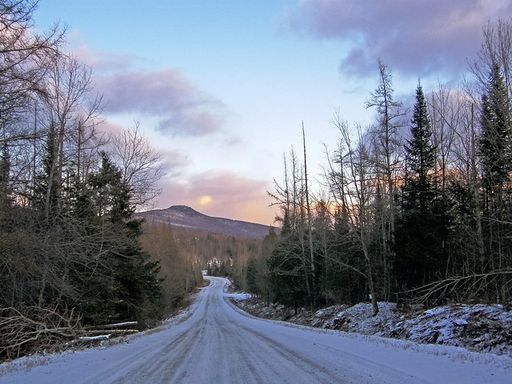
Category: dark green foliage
[455,235]
[495,140]
[339,282]
[462,250]
[5,200]
[89,258]
[422,230]
[419,191]
[252,275]
[69,245]
[287,273]
[46,197]
[218,269]
[420,243]
[133,287]
[260,269]
[496,160]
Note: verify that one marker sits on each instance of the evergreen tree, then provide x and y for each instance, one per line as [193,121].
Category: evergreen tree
[343,280]
[4,178]
[252,275]
[423,228]
[287,273]
[420,159]
[495,140]
[46,196]
[126,287]
[496,160]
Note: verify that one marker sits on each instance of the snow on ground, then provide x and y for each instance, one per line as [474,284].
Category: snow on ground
[239,296]
[478,327]
[219,343]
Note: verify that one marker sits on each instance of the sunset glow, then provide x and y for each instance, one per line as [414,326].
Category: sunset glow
[205,201]
[221,88]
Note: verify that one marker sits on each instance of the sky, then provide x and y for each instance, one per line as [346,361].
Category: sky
[220,88]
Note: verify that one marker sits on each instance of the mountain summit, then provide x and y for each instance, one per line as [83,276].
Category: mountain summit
[184,217]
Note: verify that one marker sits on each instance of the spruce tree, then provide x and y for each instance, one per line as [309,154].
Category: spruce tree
[495,140]
[423,228]
[496,160]
[420,159]
[126,287]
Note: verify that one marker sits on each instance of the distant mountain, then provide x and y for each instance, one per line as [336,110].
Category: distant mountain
[186,218]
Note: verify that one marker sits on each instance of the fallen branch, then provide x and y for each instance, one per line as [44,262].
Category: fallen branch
[29,329]
[471,285]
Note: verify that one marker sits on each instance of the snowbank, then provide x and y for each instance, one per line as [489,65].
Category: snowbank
[478,327]
[240,296]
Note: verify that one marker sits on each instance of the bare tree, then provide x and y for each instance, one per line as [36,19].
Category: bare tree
[309,221]
[445,112]
[352,185]
[387,146]
[140,164]
[71,109]
[496,49]
[25,57]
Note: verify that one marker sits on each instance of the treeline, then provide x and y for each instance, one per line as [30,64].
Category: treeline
[70,251]
[180,269]
[185,253]
[219,255]
[417,207]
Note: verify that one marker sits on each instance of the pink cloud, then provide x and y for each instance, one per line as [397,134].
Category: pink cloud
[180,107]
[415,37]
[104,61]
[110,128]
[223,194]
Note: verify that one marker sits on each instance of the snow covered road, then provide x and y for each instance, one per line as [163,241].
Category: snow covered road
[218,343]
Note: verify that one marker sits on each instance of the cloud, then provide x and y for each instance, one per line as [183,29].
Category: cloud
[103,61]
[414,37]
[174,162]
[221,193]
[179,107]
[110,128]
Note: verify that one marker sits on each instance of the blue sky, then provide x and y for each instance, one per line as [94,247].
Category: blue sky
[221,87]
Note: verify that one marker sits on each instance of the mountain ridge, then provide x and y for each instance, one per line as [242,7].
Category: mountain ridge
[185,217]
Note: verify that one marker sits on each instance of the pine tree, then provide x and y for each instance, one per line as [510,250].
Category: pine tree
[420,158]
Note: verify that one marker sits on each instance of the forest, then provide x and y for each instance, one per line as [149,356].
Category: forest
[72,255]
[415,208]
